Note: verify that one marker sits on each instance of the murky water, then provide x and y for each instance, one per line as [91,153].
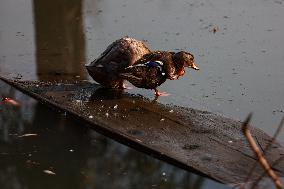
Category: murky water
[241,71]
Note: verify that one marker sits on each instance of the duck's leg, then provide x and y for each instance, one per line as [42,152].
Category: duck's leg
[158,93]
[121,85]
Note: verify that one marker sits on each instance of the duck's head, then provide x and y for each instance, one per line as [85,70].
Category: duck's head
[185,59]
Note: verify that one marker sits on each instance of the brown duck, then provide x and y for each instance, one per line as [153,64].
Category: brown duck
[154,68]
[120,54]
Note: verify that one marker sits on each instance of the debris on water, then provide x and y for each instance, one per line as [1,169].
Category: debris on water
[162,119]
[71,150]
[49,172]
[215,29]
[7,100]
[115,107]
[91,117]
[171,111]
[28,135]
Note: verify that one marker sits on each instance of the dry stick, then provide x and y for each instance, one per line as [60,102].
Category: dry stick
[266,147]
[255,183]
[246,122]
[263,162]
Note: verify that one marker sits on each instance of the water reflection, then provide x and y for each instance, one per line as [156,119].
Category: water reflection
[59,36]
[80,157]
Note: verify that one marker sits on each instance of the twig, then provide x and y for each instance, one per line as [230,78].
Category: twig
[254,185]
[263,162]
[266,148]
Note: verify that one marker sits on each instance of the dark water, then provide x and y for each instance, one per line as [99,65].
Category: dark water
[241,71]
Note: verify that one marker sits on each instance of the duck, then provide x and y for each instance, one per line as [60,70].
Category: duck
[154,68]
[120,54]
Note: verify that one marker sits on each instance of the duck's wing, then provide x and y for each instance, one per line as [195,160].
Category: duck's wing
[135,75]
[152,56]
[137,71]
[132,78]
[148,75]
[122,53]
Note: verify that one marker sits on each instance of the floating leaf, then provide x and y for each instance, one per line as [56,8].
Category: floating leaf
[28,135]
[10,101]
[49,172]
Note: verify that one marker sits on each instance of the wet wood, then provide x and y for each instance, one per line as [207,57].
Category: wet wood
[195,140]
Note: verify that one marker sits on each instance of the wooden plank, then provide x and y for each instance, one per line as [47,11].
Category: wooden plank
[195,140]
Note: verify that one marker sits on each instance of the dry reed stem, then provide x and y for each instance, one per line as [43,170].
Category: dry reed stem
[266,148]
[255,183]
[263,162]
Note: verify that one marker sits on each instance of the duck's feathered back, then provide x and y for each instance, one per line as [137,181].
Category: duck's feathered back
[120,54]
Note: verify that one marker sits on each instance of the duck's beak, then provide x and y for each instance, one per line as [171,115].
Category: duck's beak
[193,66]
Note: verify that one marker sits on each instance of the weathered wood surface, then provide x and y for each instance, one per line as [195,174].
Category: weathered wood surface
[194,140]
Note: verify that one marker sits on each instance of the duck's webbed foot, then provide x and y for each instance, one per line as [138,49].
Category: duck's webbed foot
[158,93]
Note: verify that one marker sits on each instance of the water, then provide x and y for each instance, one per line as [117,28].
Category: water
[241,64]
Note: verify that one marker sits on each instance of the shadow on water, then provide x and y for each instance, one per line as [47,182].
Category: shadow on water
[80,157]
[60,41]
